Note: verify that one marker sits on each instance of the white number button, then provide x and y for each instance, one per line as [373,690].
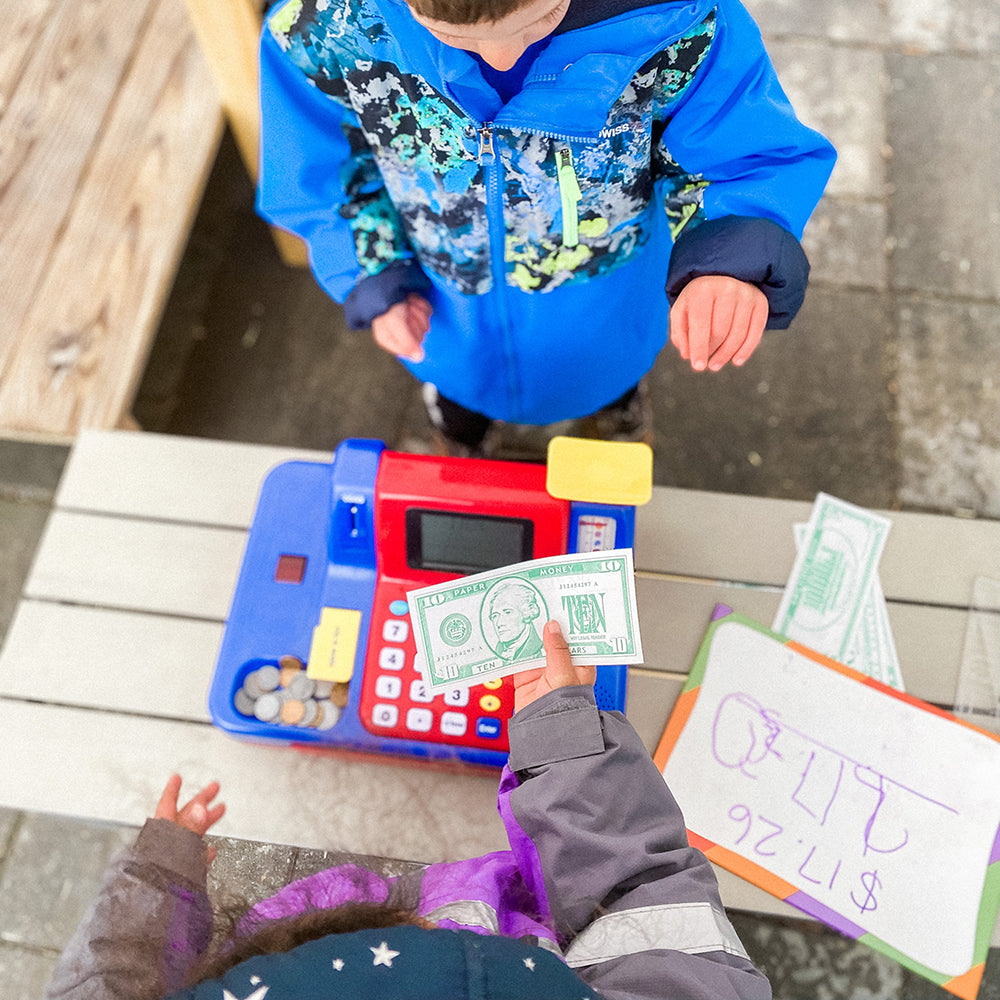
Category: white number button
[390,658]
[385,716]
[387,686]
[419,720]
[419,692]
[453,724]
[457,697]
[395,630]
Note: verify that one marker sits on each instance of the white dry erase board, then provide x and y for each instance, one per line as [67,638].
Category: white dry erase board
[866,808]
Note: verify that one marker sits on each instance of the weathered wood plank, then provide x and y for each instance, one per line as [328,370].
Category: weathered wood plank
[167,477]
[86,335]
[112,767]
[272,794]
[74,67]
[23,22]
[928,558]
[229,35]
[115,660]
[158,567]
[180,569]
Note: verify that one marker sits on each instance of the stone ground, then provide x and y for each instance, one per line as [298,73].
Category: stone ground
[885,392]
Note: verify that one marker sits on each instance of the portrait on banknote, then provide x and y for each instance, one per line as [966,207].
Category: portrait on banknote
[510,615]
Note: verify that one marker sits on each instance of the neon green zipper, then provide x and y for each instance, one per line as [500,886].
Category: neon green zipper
[569,192]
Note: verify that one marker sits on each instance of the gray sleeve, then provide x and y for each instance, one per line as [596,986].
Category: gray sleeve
[148,924]
[637,907]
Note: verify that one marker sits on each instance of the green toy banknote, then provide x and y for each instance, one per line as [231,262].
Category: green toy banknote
[489,625]
[824,601]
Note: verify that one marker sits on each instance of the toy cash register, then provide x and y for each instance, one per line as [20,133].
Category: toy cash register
[318,651]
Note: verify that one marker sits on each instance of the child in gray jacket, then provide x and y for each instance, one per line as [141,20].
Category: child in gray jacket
[599,895]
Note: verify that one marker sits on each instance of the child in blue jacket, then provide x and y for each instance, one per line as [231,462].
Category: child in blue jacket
[513,193]
[599,895]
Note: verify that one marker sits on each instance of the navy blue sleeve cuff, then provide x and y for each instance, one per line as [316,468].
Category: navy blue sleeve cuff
[755,250]
[374,294]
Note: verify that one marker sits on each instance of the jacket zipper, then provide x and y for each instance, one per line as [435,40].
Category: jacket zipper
[569,192]
[494,200]
[498,239]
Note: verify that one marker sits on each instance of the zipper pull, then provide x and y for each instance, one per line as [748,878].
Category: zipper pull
[569,192]
[486,153]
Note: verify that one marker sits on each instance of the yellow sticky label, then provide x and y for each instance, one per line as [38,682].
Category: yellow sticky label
[613,472]
[334,645]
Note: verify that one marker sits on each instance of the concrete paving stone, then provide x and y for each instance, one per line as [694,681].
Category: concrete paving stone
[838,90]
[846,21]
[309,862]
[949,413]
[21,524]
[845,242]
[805,959]
[945,25]
[944,114]
[51,876]
[30,469]
[292,373]
[810,411]
[8,821]
[247,870]
[24,972]
[918,988]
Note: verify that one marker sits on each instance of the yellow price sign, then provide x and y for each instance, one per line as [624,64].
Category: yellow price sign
[334,645]
[589,471]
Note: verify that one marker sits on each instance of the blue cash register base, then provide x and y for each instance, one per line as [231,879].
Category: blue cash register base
[356,534]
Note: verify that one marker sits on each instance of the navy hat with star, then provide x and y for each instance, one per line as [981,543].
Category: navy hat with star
[399,963]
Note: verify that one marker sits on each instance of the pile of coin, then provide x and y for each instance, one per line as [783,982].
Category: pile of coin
[281,693]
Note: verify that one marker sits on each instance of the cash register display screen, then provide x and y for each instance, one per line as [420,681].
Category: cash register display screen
[465,543]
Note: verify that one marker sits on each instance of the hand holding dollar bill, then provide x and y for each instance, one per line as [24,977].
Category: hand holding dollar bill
[481,627]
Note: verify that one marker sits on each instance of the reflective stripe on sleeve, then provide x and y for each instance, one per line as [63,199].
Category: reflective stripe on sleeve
[468,913]
[690,927]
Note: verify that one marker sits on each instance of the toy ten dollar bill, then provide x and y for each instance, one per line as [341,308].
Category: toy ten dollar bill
[489,625]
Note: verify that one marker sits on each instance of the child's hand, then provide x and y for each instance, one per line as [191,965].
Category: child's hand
[559,670]
[196,815]
[717,319]
[401,328]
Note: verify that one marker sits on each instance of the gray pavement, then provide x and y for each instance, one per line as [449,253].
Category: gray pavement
[886,392]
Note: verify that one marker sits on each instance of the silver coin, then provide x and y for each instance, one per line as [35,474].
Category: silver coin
[251,687]
[310,712]
[328,715]
[301,686]
[243,702]
[267,707]
[267,677]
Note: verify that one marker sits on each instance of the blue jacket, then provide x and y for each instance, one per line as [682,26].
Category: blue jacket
[540,230]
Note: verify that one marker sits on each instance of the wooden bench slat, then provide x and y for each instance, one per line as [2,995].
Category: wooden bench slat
[721,536]
[57,761]
[171,478]
[105,562]
[22,21]
[674,615]
[116,660]
[47,133]
[113,767]
[739,539]
[173,569]
[80,346]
